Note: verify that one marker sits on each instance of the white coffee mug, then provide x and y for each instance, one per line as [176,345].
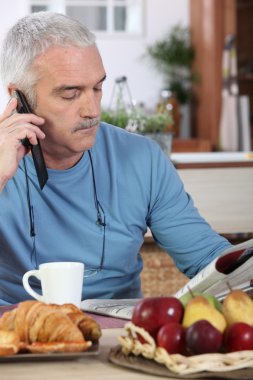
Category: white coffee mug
[61,282]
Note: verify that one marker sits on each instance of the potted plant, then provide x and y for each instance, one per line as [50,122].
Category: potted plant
[158,126]
[123,113]
[119,118]
[174,56]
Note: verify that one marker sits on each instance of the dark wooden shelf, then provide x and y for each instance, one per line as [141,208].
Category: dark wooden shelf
[247,78]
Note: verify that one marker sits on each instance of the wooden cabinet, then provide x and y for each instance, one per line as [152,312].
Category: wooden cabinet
[244,26]
[191,145]
[221,187]
[211,21]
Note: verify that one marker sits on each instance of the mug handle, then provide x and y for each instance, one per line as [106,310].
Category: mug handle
[35,273]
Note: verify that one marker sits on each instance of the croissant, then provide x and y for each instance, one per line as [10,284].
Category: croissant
[20,323]
[41,327]
[9,343]
[88,326]
[44,348]
[7,321]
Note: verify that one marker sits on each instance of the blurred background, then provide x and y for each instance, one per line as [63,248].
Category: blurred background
[123,28]
[181,72]
[169,54]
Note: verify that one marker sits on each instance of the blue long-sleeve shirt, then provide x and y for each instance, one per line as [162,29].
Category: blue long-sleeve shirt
[137,186]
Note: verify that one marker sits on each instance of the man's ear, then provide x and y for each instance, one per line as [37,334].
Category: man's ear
[11,89]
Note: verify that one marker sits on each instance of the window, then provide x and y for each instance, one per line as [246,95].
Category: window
[110,17]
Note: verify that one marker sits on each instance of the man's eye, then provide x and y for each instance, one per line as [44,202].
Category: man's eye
[98,89]
[70,96]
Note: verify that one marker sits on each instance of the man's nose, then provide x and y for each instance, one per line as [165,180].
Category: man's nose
[90,105]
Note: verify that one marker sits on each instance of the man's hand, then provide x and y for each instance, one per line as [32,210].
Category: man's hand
[14,128]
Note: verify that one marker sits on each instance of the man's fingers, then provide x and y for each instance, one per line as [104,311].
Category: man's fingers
[10,108]
[29,131]
[9,116]
[31,136]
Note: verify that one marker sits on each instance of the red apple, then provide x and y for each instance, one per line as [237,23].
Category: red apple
[152,313]
[170,310]
[202,338]
[172,338]
[238,337]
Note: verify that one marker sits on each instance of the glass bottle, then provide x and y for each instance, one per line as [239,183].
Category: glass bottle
[169,103]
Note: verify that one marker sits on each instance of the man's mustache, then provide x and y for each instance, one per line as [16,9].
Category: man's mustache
[86,123]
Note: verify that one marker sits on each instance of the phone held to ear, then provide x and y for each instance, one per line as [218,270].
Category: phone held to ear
[36,150]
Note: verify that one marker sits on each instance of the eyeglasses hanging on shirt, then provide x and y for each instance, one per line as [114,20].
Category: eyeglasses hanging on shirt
[100,221]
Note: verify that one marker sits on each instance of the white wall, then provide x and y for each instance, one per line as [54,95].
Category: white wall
[121,55]
[10,12]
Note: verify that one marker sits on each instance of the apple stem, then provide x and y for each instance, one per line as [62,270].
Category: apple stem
[229,287]
[191,292]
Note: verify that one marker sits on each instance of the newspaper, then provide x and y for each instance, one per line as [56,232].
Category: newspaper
[232,269]
[118,308]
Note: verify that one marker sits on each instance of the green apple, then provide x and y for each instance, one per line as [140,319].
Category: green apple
[187,297]
[213,301]
[210,298]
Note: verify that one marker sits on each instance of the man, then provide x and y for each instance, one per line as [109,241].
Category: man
[105,185]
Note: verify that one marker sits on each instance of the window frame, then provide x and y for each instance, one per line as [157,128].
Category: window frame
[60,6]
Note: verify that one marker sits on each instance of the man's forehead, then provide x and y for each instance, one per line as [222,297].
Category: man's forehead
[68,65]
[69,56]
[68,86]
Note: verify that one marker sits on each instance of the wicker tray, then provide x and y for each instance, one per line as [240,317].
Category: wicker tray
[141,364]
[234,365]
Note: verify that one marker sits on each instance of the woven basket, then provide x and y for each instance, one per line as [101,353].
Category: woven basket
[180,364]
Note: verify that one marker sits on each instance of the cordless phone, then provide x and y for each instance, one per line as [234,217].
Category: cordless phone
[36,150]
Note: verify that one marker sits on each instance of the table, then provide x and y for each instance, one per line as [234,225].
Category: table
[212,159]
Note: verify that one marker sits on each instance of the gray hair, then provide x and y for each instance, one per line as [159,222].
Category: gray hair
[31,36]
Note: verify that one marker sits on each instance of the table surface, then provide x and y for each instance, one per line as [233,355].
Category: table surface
[212,157]
[212,160]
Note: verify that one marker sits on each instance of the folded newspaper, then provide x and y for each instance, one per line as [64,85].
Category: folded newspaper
[118,308]
[232,269]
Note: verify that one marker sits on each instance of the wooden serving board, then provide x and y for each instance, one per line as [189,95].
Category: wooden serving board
[141,364]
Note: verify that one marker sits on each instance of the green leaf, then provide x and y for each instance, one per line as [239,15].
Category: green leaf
[174,56]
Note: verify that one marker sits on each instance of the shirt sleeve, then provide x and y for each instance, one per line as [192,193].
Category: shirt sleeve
[175,222]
